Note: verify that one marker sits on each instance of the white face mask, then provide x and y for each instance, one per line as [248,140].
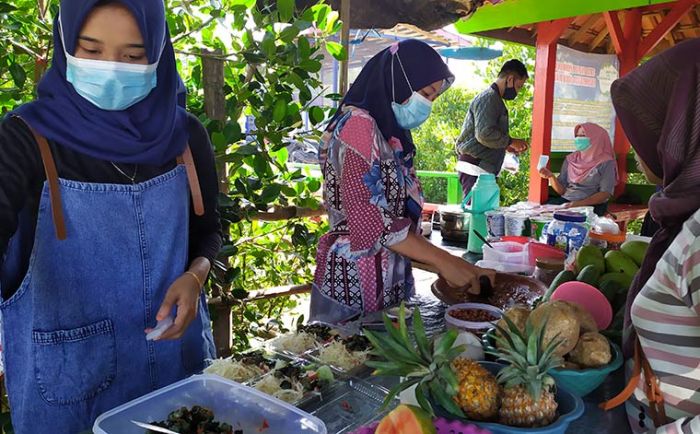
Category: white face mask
[416,110]
[110,85]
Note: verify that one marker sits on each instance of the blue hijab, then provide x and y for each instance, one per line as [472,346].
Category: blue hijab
[372,90]
[153,132]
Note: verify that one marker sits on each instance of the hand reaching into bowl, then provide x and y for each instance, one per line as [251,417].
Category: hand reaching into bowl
[460,274]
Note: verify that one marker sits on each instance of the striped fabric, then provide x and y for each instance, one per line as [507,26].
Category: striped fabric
[666,316]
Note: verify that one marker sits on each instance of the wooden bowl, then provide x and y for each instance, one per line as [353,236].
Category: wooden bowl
[510,289]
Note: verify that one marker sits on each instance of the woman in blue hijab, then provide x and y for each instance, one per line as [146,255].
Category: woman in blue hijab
[371,192]
[108,222]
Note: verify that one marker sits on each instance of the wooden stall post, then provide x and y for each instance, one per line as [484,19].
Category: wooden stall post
[345,40]
[548,34]
[215,108]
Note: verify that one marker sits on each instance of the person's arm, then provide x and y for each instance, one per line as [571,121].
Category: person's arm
[455,270]
[682,262]
[594,199]
[20,167]
[486,128]
[554,181]
[204,239]
[205,230]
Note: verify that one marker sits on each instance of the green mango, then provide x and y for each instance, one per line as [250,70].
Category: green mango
[590,255]
[636,250]
[618,262]
[563,277]
[590,275]
[622,279]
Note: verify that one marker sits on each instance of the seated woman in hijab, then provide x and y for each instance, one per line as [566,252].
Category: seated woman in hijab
[371,192]
[659,108]
[588,176]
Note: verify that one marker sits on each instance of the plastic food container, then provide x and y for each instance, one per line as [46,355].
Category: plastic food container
[517,224]
[538,224]
[606,241]
[496,223]
[476,327]
[546,270]
[568,231]
[506,251]
[507,267]
[543,251]
[241,406]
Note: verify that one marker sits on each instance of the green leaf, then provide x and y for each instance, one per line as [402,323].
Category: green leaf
[421,394]
[285,9]
[445,343]
[420,336]
[228,250]
[246,150]
[395,391]
[270,193]
[336,50]
[6,7]
[219,141]
[444,400]
[239,293]
[247,3]
[19,76]
[279,111]
[316,115]
[289,34]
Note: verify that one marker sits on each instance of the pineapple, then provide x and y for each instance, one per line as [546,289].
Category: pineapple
[479,393]
[528,395]
[458,385]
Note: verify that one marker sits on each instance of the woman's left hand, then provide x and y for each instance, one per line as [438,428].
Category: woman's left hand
[183,293]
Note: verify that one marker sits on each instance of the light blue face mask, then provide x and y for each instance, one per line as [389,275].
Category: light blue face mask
[108,85]
[415,111]
[582,143]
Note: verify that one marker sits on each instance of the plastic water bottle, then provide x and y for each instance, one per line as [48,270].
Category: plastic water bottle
[485,196]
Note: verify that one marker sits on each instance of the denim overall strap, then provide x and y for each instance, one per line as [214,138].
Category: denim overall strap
[73,332]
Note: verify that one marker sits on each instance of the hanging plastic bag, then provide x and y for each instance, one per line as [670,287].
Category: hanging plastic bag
[511,163]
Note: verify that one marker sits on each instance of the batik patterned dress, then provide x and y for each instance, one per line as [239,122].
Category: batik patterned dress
[373,200]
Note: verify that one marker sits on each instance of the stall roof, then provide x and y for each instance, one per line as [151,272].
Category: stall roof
[515,21]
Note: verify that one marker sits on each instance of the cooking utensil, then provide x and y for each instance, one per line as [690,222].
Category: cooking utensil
[482,238]
[155,428]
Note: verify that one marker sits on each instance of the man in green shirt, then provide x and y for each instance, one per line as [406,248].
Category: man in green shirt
[485,138]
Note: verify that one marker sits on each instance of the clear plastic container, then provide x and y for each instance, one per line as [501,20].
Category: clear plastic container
[233,403]
[506,251]
[568,231]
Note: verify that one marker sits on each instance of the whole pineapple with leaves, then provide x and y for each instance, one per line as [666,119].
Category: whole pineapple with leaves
[479,395]
[528,391]
[458,385]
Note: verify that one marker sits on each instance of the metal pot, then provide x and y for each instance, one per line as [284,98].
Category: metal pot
[454,225]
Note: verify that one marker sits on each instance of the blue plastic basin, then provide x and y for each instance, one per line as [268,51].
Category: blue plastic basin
[570,408]
[584,381]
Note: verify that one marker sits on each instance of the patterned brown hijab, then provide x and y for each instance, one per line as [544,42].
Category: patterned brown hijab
[658,105]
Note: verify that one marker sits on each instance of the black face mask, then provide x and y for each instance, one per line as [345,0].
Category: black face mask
[509,93]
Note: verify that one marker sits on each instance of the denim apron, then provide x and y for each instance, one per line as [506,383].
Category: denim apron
[73,332]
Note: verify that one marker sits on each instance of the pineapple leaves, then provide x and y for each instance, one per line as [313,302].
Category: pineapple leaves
[403,330]
[396,390]
[421,338]
[421,397]
[388,348]
[446,373]
[395,369]
[445,343]
[438,394]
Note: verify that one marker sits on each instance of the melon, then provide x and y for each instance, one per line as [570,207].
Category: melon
[406,419]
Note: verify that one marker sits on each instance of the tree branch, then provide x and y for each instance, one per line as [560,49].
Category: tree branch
[26,49]
[195,30]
